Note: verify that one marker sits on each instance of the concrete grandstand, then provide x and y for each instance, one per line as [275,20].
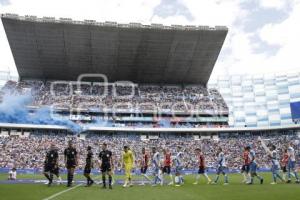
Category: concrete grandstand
[165,68]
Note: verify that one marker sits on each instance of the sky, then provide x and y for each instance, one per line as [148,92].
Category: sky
[264,35]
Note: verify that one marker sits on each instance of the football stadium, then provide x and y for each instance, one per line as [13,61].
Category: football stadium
[106,110]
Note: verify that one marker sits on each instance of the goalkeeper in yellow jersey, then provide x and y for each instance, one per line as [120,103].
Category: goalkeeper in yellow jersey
[128,164]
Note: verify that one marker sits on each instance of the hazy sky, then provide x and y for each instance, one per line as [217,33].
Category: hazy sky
[264,35]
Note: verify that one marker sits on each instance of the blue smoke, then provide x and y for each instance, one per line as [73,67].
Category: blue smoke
[164,123]
[13,110]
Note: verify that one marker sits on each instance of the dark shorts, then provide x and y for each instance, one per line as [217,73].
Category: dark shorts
[167,169]
[283,168]
[144,169]
[275,168]
[221,170]
[245,168]
[56,171]
[105,167]
[291,165]
[48,167]
[51,168]
[178,169]
[253,168]
[71,164]
[87,169]
[201,170]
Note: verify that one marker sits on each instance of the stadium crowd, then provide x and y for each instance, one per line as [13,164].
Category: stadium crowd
[118,96]
[29,152]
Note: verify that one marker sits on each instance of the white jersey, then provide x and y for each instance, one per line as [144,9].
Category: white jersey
[251,156]
[12,175]
[275,158]
[178,159]
[221,160]
[156,160]
[291,154]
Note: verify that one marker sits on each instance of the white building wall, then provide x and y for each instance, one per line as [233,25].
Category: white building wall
[259,100]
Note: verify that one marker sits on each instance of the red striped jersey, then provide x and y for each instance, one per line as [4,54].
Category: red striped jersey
[201,160]
[285,159]
[167,161]
[246,158]
[145,160]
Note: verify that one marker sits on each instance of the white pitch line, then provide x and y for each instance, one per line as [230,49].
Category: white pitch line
[64,191]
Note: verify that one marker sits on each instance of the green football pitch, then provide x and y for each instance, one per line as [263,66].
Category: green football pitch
[234,191]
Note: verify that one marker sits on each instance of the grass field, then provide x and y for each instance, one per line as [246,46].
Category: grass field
[234,191]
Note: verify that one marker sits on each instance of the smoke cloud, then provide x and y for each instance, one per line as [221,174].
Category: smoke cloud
[13,110]
[164,123]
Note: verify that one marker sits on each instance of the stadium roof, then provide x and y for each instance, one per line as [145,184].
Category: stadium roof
[51,49]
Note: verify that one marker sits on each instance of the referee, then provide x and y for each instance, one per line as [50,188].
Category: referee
[88,166]
[71,161]
[105,162]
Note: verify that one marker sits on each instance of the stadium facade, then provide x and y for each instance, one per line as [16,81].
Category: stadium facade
[261,100]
